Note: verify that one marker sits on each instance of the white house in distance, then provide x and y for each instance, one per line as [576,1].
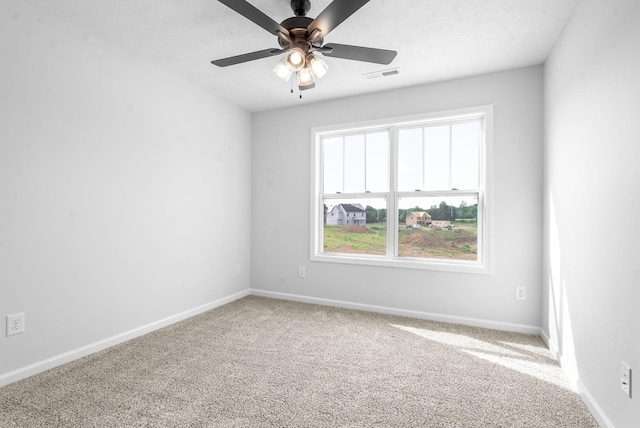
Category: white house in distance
[347,214]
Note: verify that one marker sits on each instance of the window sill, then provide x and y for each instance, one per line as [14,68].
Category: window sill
[457,266]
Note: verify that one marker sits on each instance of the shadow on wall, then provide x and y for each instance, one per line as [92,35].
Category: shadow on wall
[560,331]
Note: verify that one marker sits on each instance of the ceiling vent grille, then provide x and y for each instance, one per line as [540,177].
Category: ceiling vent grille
[382,73]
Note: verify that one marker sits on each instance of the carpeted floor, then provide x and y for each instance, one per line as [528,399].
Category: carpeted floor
[261,362]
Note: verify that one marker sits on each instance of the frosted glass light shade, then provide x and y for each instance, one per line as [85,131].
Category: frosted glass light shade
[318,66]
[282,71]
[305,77]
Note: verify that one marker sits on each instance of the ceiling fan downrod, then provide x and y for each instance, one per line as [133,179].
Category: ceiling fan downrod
[300,7]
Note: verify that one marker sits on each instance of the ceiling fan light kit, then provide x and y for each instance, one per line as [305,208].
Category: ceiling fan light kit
[282,71]
[306,77]
[318,66]
[302,38]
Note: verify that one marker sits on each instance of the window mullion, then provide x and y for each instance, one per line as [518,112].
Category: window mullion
[344,150]
[392,201]
[365,162]
[450,156]
[424,172]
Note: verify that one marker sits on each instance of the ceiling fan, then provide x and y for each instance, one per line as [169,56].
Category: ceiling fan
[301,37]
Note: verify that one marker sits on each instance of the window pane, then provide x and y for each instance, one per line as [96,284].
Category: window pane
[332,150]
[465,152]
[377,162]
[354,164]
[410,156]
[438,227]
[355,226]
[437,157]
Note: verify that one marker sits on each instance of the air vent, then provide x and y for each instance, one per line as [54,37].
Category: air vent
[382,73]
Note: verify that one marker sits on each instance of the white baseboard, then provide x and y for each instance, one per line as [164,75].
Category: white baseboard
[552,347]
[49,363]
[593,406]
[494,325]
[596,411]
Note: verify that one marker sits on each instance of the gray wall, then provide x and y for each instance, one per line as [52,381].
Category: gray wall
[280,207]
[116,180]
[591,203]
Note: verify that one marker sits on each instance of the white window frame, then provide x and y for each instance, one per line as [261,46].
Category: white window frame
[393,125]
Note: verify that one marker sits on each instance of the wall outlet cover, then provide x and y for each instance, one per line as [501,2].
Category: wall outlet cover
[15,324]
[625,379]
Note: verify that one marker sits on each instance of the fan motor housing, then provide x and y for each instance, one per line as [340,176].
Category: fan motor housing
[297,26]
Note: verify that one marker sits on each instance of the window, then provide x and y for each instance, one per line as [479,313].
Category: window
[408,192]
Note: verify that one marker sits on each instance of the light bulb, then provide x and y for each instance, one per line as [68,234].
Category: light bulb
[305,77]
[318,66]
[295,59]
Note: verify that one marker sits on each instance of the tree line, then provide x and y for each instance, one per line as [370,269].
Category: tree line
[442,212]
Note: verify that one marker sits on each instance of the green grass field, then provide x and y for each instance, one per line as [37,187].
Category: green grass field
[461,243]
[371,239]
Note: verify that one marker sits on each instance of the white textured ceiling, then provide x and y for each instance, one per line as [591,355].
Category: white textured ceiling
[435,40]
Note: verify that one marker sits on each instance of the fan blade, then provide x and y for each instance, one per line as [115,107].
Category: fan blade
[238,59]
[255,15]
[359,53]
[334,14]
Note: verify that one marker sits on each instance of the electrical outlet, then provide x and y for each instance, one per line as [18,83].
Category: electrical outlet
[237,270]
[301,272]
[625,379]
[15,324]
[521,293]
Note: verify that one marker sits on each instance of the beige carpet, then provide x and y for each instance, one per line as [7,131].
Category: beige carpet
[261,362]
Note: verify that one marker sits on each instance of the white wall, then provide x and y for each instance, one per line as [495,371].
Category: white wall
[115,178]
[280,201]
[591,203]
[117,185]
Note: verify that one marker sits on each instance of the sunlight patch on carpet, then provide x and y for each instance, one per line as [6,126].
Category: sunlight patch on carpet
[526,361]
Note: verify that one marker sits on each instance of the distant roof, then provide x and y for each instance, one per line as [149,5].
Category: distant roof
[420,213]
[352,208]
